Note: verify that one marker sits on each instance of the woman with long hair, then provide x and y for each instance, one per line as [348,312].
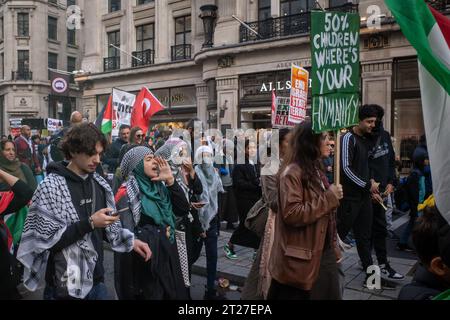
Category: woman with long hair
[259,278]
[247,187]
[305,227]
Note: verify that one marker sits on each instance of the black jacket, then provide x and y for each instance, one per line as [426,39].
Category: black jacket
[355,166]
[382,158]
[246,181]
[81,193]
[112,155]
[425,286]
[161,277]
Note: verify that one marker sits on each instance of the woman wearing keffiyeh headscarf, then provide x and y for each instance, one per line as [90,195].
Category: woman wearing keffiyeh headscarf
[148,203]
[177,154]
[208,215]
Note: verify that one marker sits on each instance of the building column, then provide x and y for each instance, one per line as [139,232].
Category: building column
[202,102]
[227,101]
[164,26]
[377,87]
[89,104]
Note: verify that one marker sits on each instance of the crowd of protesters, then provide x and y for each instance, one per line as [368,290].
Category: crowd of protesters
[159,199]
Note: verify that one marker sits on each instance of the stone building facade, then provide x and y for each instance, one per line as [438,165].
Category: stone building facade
[226,77]
[33,37]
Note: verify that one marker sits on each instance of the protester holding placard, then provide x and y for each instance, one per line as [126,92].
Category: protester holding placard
[305,229]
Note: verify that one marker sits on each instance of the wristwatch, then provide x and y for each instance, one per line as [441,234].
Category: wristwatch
[91,222]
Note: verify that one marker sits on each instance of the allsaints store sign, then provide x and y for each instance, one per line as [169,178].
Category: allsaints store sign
[278,86]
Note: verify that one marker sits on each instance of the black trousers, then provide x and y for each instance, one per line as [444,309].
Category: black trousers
[379,232]
[357,215]
[280,291]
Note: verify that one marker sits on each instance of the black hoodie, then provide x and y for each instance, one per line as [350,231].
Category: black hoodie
[381,157]
[425,286]
[81,193]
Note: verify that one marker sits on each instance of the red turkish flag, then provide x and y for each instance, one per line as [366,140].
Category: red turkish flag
[145,106]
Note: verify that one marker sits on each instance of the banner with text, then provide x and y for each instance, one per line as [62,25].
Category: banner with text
[299,94]
[123,103]
[280,117]
[54,124]
[335,70]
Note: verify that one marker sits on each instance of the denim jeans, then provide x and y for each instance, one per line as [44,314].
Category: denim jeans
[408,230]
[210,243]
[98,292]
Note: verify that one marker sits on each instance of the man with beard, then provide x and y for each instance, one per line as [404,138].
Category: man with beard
[382,170]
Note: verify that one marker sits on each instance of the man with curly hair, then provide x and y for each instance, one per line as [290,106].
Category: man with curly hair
[71,213]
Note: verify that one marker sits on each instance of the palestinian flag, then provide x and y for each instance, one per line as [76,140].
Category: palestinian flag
[428,31]
[107,122]
[15,223]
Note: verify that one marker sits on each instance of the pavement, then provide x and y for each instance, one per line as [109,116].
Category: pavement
[236,271]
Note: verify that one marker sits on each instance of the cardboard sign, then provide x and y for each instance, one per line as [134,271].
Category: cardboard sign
[299,94]
[280,118]
[123,103]
[335,70]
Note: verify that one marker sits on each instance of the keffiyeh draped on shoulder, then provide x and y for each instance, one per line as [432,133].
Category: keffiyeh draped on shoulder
[51,212]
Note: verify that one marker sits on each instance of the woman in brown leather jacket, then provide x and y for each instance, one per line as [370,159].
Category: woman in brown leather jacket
[305,227]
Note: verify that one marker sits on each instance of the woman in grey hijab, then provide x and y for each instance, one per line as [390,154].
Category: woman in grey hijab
[208,215]
[176,152]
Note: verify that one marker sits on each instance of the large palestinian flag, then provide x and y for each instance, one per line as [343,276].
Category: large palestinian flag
[428,31]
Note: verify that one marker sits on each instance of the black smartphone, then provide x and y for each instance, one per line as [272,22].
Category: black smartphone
[116,213]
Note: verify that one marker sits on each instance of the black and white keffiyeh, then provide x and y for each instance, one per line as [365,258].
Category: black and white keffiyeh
[51,212]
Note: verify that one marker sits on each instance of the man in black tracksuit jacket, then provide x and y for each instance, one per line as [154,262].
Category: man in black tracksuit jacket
[382,170]
[355,211]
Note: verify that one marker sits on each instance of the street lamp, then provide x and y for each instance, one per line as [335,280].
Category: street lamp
[209,16]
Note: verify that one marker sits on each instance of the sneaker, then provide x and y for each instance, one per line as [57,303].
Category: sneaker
[385,284]
[229,253]
[404,247]
[389,273]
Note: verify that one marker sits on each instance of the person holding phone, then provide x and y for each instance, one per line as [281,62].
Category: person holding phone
[154,199]
[208,215]
[68,220]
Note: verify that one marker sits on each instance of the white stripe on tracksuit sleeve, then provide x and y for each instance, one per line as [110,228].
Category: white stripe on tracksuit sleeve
[346,161]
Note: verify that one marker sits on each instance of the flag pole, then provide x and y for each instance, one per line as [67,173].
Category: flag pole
[337,157]
[246,25]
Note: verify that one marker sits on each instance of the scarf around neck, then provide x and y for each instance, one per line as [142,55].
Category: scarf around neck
[155,200]
[12,167]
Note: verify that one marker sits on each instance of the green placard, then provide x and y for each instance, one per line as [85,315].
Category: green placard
[335,70]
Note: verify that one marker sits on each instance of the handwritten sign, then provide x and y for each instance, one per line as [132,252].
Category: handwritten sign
[299,94]
[335,70]
[123,103]
[280,118]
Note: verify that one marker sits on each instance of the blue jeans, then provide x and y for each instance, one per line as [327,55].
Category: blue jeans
[408,230]
[98,292]
[210,242]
